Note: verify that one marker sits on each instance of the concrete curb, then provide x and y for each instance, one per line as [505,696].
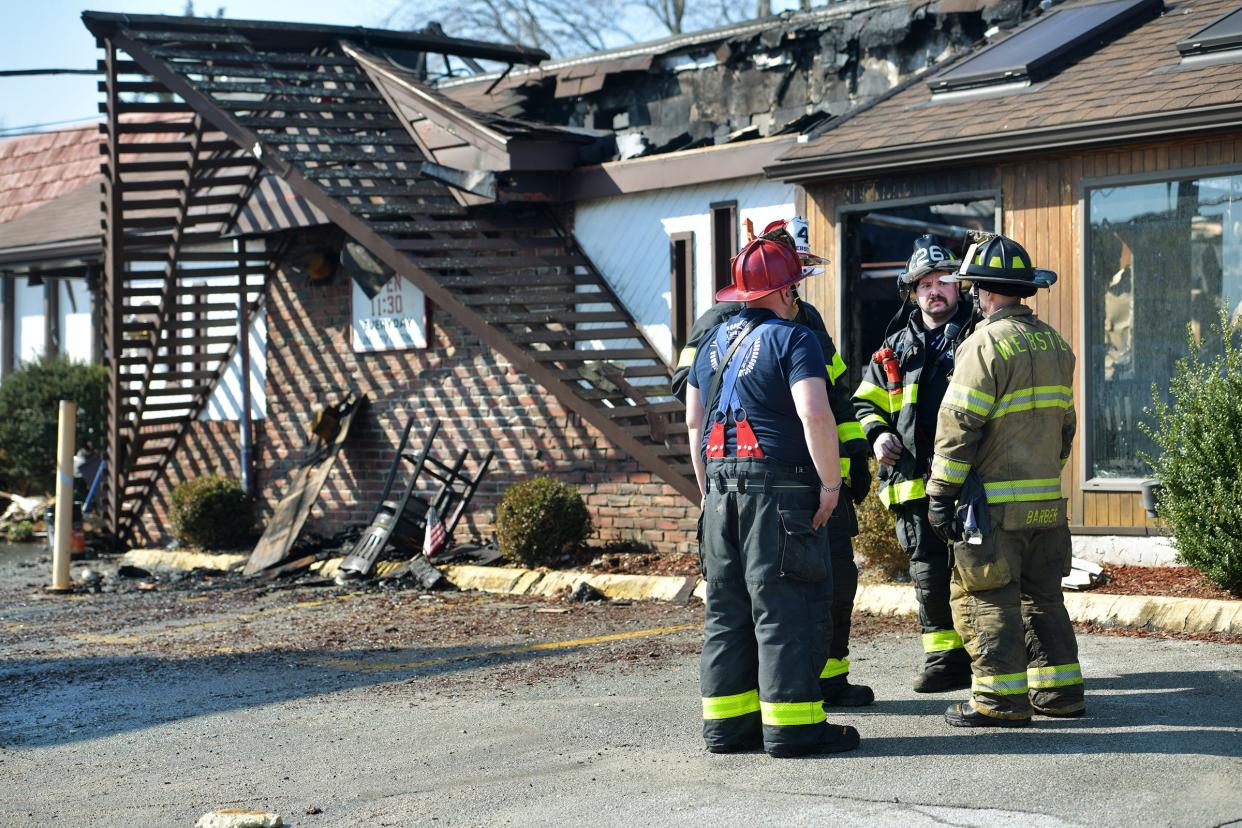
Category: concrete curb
[177,559]
[1153,612]
[513,581]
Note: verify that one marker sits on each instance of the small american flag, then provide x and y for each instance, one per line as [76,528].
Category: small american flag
[436,537]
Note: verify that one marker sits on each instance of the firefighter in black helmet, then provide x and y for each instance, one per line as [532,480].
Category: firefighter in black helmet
[1002,438]
[900,423]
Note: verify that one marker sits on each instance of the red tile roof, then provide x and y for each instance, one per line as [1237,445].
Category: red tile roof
[34,169]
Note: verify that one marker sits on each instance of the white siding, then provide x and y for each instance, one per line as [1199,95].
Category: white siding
[627,237]
[29,345]
[77,336]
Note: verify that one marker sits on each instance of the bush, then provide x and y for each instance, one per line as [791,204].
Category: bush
[877,535]
[29,407]
[22,532]
[212,513]
[540,519]
[1197,432]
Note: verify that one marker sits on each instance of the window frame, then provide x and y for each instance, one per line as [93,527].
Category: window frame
[844,211]
[734,244]
[1085,408]
[681,284]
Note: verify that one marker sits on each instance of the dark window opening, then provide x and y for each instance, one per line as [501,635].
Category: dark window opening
[51,318]
[1223,35]
[724,242]
[681,288]
[1046,46]
[877,245]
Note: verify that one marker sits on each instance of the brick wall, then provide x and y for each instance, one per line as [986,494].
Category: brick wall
[482,401]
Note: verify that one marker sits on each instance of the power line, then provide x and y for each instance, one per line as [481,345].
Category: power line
[7,131]
[17,73]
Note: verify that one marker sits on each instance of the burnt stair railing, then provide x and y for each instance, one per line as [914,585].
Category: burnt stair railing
[509,273]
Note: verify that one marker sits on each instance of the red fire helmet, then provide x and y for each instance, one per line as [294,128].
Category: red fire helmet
[761,268]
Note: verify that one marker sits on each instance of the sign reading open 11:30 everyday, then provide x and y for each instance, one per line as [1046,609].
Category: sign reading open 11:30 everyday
[395,319]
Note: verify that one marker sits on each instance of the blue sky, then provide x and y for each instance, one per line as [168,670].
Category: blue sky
[42,34]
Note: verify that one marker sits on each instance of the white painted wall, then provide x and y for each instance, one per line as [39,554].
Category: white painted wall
[77,337]
[30,337]
[627,237]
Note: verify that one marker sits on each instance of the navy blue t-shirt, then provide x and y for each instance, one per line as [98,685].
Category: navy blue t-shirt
[783,354]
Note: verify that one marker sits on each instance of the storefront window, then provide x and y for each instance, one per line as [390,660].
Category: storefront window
[1159,256]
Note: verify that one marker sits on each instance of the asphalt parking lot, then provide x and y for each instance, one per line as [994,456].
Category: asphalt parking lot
[400,708]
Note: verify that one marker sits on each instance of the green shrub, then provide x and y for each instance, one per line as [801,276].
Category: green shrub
[877,535]
[1197,431]
[22,532]
[212,513]
[540,519]
[29,408]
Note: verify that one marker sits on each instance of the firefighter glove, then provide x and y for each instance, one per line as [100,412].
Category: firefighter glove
[941,514]
[860,476]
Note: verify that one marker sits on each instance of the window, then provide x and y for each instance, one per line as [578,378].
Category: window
[7,328]
[724,242]
[681,288]
[1160,256]
[1224,35]
[1046,46]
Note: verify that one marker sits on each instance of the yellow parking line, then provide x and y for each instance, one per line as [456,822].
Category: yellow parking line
[372,666]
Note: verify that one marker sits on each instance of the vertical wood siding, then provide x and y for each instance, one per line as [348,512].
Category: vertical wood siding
[1041,208]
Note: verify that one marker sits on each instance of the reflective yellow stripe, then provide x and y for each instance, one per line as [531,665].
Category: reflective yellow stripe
[1057,675]
[845,467]
[888,401]
[938,642]
[1010,684]
[835,368]
[785,714]
[850,430]
[730,707]
[1017,491]
[872,419]
[950,471]
[1039,396]
[895,493]
[965,398]
[835,667]
[686,358]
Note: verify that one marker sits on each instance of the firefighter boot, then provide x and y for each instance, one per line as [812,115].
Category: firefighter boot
[963,714]
[835,739]
[944,671]
[839,692]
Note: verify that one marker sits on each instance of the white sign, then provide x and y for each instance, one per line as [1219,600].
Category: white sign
[395,320]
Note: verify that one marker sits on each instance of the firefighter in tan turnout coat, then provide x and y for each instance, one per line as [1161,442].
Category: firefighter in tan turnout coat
[1003,434]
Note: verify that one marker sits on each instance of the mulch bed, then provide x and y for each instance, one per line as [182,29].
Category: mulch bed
[1175,581]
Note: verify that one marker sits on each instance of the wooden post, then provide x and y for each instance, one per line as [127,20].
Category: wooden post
[243,351]
[62,536]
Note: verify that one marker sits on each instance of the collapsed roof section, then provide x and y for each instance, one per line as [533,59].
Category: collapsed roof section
[775,76]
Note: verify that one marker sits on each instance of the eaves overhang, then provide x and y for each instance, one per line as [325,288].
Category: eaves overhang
[1111,132]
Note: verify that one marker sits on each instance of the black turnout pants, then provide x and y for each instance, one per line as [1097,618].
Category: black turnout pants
[929,569]
[769,597]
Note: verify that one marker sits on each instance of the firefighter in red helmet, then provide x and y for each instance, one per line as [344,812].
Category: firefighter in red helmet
[765,455]
[852,445]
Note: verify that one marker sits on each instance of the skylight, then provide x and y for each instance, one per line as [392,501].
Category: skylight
[1222,36]
[1043,48]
